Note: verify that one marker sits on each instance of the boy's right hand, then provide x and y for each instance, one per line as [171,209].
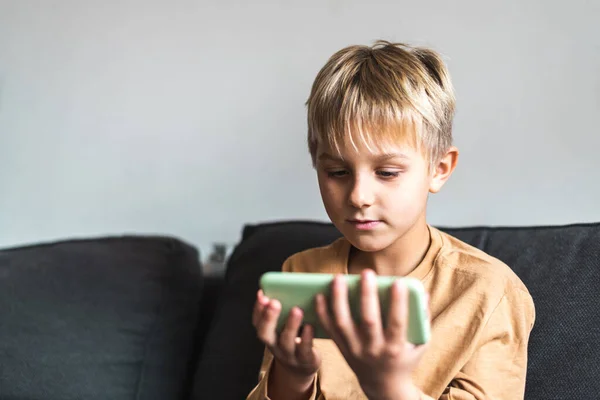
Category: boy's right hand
[295,355]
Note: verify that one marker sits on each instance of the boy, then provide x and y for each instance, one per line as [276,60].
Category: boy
[380,137]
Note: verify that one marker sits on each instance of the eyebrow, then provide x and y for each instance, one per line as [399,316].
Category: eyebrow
[380,157]
[327,156]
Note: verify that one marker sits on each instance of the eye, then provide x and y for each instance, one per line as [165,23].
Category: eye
[388,174]
[337,173]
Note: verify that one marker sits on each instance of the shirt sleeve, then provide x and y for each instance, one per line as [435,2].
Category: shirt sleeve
[498,368]
[260,390]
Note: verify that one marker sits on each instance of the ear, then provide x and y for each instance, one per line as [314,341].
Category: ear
[443,170]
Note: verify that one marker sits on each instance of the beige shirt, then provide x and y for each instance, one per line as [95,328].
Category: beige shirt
[481,318]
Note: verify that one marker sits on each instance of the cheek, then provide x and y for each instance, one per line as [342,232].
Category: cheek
[409,196]
[330,192]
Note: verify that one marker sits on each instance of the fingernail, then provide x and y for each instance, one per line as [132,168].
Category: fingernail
[274,305]
[398,284]
[337,280]
[368,276]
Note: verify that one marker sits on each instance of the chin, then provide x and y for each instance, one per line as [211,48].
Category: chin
[368,243]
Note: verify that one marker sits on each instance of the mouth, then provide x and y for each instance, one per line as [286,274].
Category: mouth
[364,224]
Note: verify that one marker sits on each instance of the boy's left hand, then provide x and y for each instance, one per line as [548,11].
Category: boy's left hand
[382,359]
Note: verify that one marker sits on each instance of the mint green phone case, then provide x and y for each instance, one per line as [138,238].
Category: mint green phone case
[299,289]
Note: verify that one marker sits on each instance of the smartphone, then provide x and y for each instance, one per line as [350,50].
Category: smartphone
[299,289]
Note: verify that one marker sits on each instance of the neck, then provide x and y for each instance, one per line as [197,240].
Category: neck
[398,259]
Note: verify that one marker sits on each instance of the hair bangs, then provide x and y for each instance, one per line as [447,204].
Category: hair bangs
[365,123]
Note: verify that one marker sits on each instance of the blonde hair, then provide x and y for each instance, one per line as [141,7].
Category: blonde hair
[381,94]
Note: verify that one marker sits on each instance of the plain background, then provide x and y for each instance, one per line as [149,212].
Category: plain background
[187,118]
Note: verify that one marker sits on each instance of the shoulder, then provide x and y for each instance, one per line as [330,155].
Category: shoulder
[475,272]
[465,259]
[326,259]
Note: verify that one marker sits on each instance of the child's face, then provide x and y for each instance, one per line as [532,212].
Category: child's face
[374,198]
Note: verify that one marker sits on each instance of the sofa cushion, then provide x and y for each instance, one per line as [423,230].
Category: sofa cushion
[111,318]
[560,266]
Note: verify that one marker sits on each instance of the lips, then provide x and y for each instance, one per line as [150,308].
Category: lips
[364,224]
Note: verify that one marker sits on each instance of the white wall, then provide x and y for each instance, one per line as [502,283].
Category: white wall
[187,117]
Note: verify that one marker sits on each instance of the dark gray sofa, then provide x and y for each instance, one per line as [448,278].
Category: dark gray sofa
[134,318]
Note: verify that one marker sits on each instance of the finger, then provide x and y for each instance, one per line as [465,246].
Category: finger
[323,314]
[260,296]
[370,323]
[326,321]
[256,313]
[343,324]
[304,350]
[287,338]
[259,306]
[266,328]
[398,313]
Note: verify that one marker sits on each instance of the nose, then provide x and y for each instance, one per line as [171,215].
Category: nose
[362,192]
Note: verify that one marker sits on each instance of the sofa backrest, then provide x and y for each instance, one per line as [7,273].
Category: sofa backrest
[110,318]
[559,265]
